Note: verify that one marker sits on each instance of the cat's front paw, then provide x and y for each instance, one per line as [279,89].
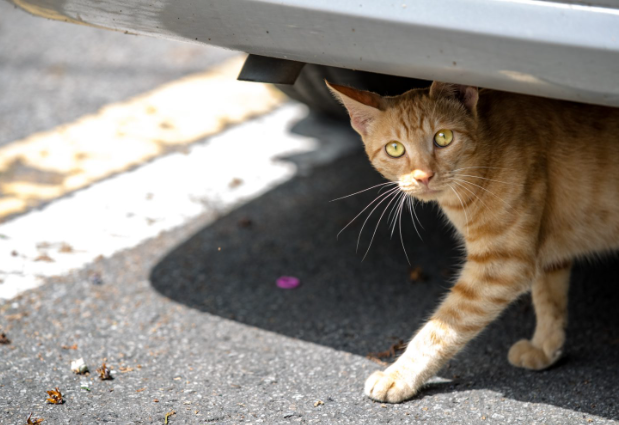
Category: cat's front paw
[525,354]
[388,386]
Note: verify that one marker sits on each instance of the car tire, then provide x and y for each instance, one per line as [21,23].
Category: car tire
[311,90]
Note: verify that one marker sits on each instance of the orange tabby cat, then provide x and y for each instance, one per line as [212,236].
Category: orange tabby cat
[529,183]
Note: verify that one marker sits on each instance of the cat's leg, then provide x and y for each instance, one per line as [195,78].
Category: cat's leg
[488,283]
[549,295]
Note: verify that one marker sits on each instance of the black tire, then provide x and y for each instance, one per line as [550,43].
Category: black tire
[311,90]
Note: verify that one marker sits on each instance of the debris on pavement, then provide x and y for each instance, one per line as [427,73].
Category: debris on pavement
[65,248]
[319,403]
[288,282]
[33,421]
[167,415]
[416,274]
[104,372]
[44,257]
[4,339]
[236,182]
[69,347]
[85,386]
[78,366]
[394,350]
[95,278]
[55,396]
[245,222]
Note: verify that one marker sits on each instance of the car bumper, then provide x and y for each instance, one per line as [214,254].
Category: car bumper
[547,48]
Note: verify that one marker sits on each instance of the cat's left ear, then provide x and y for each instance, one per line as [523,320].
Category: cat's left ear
[467,95]
[364,107]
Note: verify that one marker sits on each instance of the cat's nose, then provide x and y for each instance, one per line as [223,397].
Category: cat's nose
[422,176]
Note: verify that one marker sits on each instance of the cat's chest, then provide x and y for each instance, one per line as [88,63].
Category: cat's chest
[459,218]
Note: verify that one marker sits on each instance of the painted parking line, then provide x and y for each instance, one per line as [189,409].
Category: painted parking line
[50,164]
[210,179]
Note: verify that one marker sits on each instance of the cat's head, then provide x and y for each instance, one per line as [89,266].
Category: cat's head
[418,139]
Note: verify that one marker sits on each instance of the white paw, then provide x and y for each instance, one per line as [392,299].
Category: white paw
[388,386]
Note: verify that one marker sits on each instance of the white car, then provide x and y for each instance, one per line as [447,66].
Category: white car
[566,49]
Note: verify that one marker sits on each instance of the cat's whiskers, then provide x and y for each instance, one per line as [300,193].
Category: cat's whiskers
[411,209]
[483,178]
[483,188]
[474,167]
[368,206]
[400,226]
[392,216]
[476,196]
[389,195]
[364,190]
[393,198]
[397,208]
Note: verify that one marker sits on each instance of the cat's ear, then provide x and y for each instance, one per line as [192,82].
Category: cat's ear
[364,107]
[467,95]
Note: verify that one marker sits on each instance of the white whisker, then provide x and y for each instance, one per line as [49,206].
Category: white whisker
[483,188]
[390,195]
[476,196]
[398,208]
[364,190]
[368,206]
[376,228]
[400,225]
[411,209]
[483,178]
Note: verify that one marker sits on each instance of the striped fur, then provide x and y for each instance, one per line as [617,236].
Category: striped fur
[529,183]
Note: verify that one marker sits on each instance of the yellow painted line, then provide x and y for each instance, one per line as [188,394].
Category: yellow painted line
[50,164]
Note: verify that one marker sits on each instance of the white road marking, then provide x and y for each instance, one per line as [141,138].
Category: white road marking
[127,209]
[125,134]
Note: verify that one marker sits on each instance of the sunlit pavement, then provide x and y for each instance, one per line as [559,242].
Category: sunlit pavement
[162,261]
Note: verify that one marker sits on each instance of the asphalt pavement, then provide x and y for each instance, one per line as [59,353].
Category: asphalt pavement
[52,72]
[196,331]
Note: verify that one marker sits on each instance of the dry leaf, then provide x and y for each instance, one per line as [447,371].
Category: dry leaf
[245,222]
[125,369]
[416,274]
[236,182]
[391,352]
[34,421]
[69,347]
[44,257]
[104,372]
[66,248]
[55,397]
[167,415]
[4,339]
[319,403]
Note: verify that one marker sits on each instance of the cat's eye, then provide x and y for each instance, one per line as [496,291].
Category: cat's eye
[394,149]
[443,138]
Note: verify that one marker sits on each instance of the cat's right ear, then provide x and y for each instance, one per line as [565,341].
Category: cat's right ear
[364,107]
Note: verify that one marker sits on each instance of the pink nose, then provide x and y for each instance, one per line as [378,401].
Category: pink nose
[423,176]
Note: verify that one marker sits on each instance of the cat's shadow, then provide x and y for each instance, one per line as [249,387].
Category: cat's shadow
[229,269]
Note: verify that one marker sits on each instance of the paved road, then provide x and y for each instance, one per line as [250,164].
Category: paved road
[192,322]
[52,73]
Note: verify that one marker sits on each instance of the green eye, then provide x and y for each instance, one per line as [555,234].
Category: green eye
[394,149]
[443,138]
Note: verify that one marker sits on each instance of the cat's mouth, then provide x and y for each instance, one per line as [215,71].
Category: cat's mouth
[419,191]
